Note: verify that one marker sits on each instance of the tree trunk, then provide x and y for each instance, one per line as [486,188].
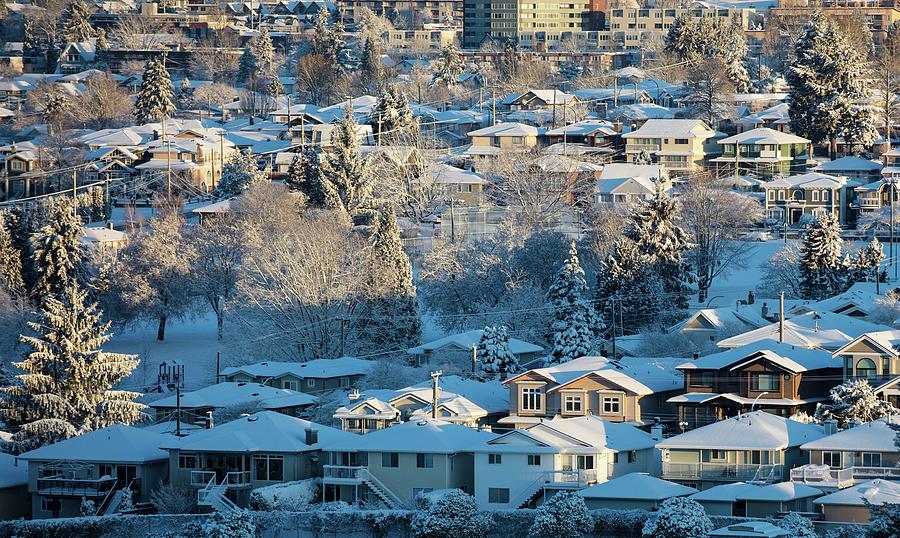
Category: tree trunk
[832,148]
[161,331]
[220,319]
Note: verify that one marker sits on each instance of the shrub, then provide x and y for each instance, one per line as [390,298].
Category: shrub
[235,524]
[289,496]
[678,517]
[799,526]
[565,514]
[449,514]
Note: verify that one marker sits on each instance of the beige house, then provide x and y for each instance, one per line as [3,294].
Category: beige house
[678,145]
[226,462]
[392,466]
[452,183]
[874,356]
[192,155]
[851,505]
[312,377]
[496,139]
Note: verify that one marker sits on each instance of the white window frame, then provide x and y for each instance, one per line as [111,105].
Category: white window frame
[495,459]
[614,401]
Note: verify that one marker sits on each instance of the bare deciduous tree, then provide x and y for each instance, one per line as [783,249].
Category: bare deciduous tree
[103,104]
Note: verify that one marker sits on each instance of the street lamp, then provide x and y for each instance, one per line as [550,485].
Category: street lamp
[784,233]
[761,394]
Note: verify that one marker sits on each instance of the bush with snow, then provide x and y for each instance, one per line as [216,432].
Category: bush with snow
[288,496]
[88,508]
[885,521]
[449,514]
[127,501]
[852,531]
[799,526]
[854,401]
[235,524]
[678,517]
[565,514]
[172,499]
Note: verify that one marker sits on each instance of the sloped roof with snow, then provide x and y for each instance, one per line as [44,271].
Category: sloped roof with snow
[639,375]
[636,486]
[227,394]
[316,368]
[672,128]
[861,296]
[809,180]
[12,473]
[764,135]
[876,436]
[469,338]
[113,444]
[875,492]
[750,431]
[422,435]
[627,170]
[506,129]
[792,358]
[850,163]
[814,329]
[721,317]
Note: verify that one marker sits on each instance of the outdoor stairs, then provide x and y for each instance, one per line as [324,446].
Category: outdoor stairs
[213,496]
[764,475]
[113,505]
[380,490]
[530,493]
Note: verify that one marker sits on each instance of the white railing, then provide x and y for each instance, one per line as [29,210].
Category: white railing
[642,147]
[720,471]
[376,485]
[363,476]
[232,479]
[528,492]
[344,472]
[574,477]
[202,478]
[821,475]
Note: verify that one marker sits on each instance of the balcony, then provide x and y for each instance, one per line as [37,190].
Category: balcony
[343,474]
[575,478]
[726,472]
[633,148]
[824,476]
[59,486]
[232,479]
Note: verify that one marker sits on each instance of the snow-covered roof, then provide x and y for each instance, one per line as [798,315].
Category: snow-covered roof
[641,111]
[639,375]
[506,129]
[792,358]
[563,165]
[217,208]
[102,234]
[266,431]
[583,128]
[723,492]
[721,317]
[809,180]
[861,296]
[636,486]
[12,473]
[628,185]
[750,431]
[875,436]
[629,170]
[778,114]
[672,129]
[468,339]
[489,395]
[850,163]
[875,492]
[751,529]
[317,368]
[422,435]
[814,329]
[227,394]
[740,491]
[114,444]
[451,175]
[764,135]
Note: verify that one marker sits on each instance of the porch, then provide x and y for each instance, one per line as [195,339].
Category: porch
[826,477]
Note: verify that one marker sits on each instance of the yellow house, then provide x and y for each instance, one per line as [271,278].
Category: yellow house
[678,145]
[452,182]
[507,136]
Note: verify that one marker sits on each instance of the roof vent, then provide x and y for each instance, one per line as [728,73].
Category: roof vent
[241,384]
[252,418]
[422,423]
[255,394]
[264,363]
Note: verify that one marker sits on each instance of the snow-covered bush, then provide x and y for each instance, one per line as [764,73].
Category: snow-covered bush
[799,526]
[565,514]
[171,499]
[852,531]
[854,401]
[678,517]
[127,501]
[88,508]
[885,521]
[494,354]
[449,514]
[289,496]
[235,524]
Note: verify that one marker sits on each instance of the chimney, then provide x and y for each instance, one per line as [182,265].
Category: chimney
[751,298]
[764,311]
[656,431]
[312,436]
[695,356]
[109,225]
[830,426]
[617,126]
[209,420]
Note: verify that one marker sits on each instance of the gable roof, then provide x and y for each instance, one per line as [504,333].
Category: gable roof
[636,486]
[792,358]
[316,368]
[672,129]
[809,180]
[12,473]
[764,135]
[226,394]
[467,339]
[639,375]
[719,318]
[750,431]
[114,444]
[850,163]
[825,330]
[629,170]
[876,436]
[506,129]
[423,435]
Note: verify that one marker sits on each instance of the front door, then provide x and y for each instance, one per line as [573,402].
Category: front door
[125,474]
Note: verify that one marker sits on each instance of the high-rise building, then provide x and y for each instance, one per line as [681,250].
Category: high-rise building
[415,14]
[511,20]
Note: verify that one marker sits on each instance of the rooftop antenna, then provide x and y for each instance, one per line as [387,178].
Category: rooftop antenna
[434,392]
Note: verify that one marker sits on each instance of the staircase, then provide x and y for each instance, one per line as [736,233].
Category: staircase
[381,491]
[213,496]
[529,494]
[113,505]
[765,474]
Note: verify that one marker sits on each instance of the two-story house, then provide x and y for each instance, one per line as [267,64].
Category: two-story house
[755,447]
[525,467]
[110,163]
[875,357]
[822,329]
[195,156]
[450,183]
[795,199]
[313,377]
[591,133]
[77,56]
[392,466]
[626,390]
[623,184]
[226,462]
[503,137]
[776,117]
[767,375]
[856,169]
[762,153]
[678,145]
[95,466]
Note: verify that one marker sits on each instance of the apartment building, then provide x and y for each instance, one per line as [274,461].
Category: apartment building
[880,14]
[629,28]
[414,13]
[513,20]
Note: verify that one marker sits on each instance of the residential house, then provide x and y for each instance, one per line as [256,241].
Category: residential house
[633,491]
[494,140]
[77,56]
[856,454]
[110,163]
[226,462]
[456,184]
[597,386]
[540,100]
[740,499]
[105,241]
[875,357]
[678,145]
[851,505]
[394,465]
[825,330]
[777,117]
[857,302]
[312,377]
[591,133]
[458,349]
[756,447]
[891,163]
[14,501]
[801,198]
[195,155]
[763,153]
[197,406]
[95,466]
[771,376]
[855,169]
[525,467]
[710,324]
[624,184]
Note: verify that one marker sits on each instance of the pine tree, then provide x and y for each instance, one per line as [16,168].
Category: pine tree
[59,256]
[493,353]
[693,39]
[867,262]
[75,25]
[239,173]
[629,290]
[31,47]
[185,94]
[264,56]
[396,122]
[102,42]
[11,278]
[346,183]
[574,320]
[826,80]
[822,271]
[326,40]
[246,66]
[155,101]
[67,385]
[449,66]
[854,401]
[274,88]
[305,175]
[21,227]
[371,63]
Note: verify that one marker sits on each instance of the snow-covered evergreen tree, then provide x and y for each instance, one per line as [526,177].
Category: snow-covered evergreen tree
[246,66]
[155,100]
[371,64]
[854,401]
[822,271]
[678,517]
[866,263]
[327,41]
[67,385]
[185,94]
[575,321]
[494,356]
[264,56]
[58,252]
[395,121]
[448,67]
[304,175]
[629,291]
[799,526]
[692,38]
[827,79]
[565,514]
[11,274]
[88,508]
[240,172]
[885,521]
[274,88]
[346,183]
[75,25]
[102,42]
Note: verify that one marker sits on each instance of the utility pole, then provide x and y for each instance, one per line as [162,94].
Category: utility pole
[289,116]
[474,358]
[75,191]
[221,155]
[614,328]
[218,359]
[435,391]
[169,168]
[554,108]
[108,200]
[493,105]
[481,99]
[378,140]
[177,409]
[891,202]
[781,318]
[302,130]
[452,223]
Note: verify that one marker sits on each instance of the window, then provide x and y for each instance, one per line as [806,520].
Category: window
[871,459]
[187,461]
[832,459]
[107,470]
[268,467]
[781,196]
[717,455]
[701,379]
[425,461]
[771,195]
[866,368]
[531,398]
[632,456]
[534,459]
[572,404]
[612,405]
[49,504]
[498,495]
[390,459]
[16,165]
[765,382]
[885,365]
[310,382]
[494,459]
[584,462]
[681,141]
[815,196]
[289,384]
